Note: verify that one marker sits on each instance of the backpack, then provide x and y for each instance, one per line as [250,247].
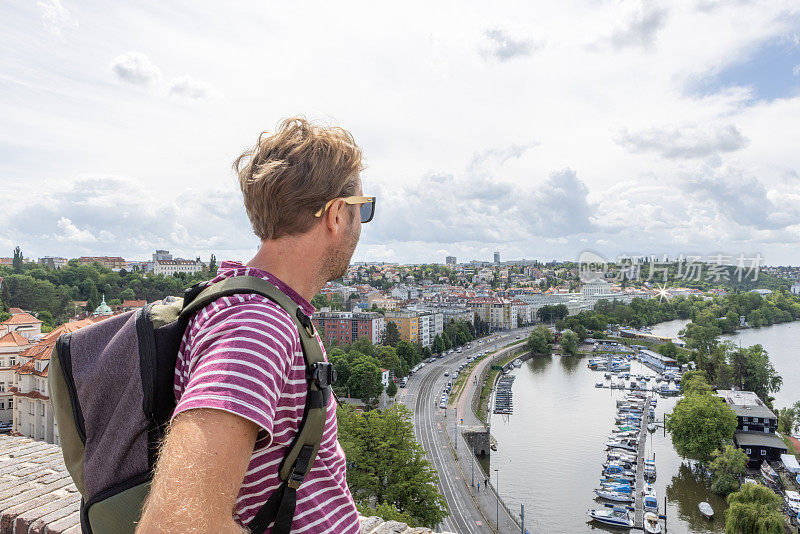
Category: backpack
[111,385]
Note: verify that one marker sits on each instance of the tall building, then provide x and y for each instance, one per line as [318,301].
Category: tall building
[451,261]
[347,327]
[497,258]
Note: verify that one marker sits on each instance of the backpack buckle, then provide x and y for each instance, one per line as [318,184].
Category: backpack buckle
[306,322]
[323,374]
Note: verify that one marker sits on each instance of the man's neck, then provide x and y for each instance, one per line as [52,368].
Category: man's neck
[292,262]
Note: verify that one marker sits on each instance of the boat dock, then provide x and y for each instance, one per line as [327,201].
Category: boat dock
[503,401]
[639,502]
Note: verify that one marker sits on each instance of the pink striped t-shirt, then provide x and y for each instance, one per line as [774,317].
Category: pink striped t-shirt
[242,354]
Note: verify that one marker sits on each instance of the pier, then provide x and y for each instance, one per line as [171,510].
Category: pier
[640,482]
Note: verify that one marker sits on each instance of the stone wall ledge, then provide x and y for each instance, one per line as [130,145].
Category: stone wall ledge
[37,495]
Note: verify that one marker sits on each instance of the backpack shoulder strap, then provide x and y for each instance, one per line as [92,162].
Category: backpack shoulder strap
[320,376]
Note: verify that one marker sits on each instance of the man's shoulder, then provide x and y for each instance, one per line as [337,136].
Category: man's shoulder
[245,310]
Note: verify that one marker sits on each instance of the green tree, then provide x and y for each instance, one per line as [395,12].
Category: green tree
[726,468]
[387,466]
[391,389]
[407,354]
[127,294]
[787,420]
[540,341]
[668,349]
[700,424]
[320,301]
[365,378]
[391,334]
[754,509]
[212,264]
[569,342]
[16,262]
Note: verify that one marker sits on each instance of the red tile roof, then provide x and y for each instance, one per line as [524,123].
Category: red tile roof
[134,303]
[22,318]
[42,349]
[14,311]
[13,339]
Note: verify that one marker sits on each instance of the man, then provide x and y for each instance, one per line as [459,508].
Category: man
[240,382]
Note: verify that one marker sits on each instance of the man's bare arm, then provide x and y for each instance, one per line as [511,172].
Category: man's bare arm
[198,474]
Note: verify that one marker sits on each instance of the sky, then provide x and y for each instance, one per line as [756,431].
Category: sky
[539,131]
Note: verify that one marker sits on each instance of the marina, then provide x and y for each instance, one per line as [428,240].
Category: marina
[503,402]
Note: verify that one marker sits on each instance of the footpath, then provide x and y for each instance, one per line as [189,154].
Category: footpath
[486,498]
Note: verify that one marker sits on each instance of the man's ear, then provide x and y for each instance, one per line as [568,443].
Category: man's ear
[335,216]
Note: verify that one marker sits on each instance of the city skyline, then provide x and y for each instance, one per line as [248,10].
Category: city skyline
[620,128]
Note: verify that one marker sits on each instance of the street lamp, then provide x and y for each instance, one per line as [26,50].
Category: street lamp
[497,494]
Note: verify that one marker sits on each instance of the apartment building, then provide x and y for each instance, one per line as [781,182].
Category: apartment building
[417,326]
[32,412]
[11,345]
[115,263]
[498,312]
[346,327]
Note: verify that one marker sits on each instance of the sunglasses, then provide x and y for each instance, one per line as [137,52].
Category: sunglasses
[367,207]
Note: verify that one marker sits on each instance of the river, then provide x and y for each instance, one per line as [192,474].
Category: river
[551,449]
[782,341]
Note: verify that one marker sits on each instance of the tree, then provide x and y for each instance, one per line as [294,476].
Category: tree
[16,263]
[668,349]
[407,353]
[320,301]
[726,467]
[569,342]
[754,509]
[391,334]
[391,389]
[387,466]
[127,294]
[365,378]
[700,424]
[540,341]
[787,420]
[212,264]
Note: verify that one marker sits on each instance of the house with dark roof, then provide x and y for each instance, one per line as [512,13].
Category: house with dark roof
[756,426]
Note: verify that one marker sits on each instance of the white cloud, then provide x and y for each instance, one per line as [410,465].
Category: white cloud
[72,233]
[684,142]
[135,68]
[55,17]
[187,87]
[504,47]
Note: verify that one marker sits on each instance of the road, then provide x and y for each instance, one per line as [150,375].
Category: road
[422,395]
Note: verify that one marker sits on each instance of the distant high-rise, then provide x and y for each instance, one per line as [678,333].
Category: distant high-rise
[497,257]
[451,260]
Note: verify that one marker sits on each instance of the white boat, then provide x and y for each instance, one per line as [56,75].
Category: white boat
[651,524]
[617,516]
[616,496]
[792,499]
[706,510]
[624,444]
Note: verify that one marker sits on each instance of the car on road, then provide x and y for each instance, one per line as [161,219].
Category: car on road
[446,373]
[432,360]
[403,382]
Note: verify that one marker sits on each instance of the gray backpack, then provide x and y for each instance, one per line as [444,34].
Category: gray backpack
[111,385]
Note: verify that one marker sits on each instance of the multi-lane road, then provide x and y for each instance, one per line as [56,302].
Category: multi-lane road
[431,423]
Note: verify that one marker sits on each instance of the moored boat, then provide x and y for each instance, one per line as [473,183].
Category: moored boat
[768,473]
[616,496]
[651,524]
[706,510]
[617,516]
